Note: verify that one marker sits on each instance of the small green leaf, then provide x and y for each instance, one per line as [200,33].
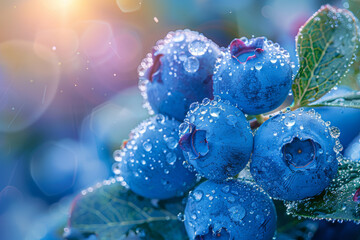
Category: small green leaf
[111,211]
[326,45]
[350,100]
[335,203]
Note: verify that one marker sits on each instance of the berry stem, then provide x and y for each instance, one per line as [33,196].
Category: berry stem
[260,118]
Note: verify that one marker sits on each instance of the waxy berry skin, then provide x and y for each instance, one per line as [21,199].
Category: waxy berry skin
[151,161]
[346,119]
[295,155]
[216,139]
[231,210]
[178,72]
[254,74]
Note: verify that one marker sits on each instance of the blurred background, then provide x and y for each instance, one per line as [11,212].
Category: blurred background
[68,89]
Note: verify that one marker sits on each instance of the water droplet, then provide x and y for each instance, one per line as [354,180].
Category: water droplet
[198,194]
[191,64]
[260,218]
[181,217]
[117,155]
[205,101]
[160,118]
[334,132]
[171,158]
[231,120]
[226,189]
[178,37]
[231,199]
[171,142]
[237,213]
[215,112]
[194,106]
[182,56]
[147,146]
[290,121]
[258,66]
[197,47]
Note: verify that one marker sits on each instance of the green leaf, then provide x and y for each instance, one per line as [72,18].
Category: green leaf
[336,202]
[350,100]
[326,45]
[111,211]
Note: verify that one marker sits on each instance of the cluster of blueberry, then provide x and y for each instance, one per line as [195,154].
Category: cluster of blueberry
[189,78]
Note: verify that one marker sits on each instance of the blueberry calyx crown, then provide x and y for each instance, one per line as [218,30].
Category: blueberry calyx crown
[194,142]
[299,154]
[222,232]
[356,197]
[251,50]
[153,72]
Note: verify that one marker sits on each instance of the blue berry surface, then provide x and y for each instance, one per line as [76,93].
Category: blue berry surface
[254,74]
[151,162]
[295,155]
[353,150]
[346,119]
[178,72]
[216,138]
[230,210]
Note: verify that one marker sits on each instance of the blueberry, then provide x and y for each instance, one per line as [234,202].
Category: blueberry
[255,74]
[295,155]
[232,209]
[216,138]
[353,150]
[178,72]
[346,119]
[151,162]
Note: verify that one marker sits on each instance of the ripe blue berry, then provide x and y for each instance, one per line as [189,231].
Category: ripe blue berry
[216,138]
[294,155]
[151,162]
[233,209]
[346,119]
[255,74]
[178,72]
[353,150]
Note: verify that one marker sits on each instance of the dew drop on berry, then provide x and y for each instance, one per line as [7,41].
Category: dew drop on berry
[226,189]
[171,158]
[290,121]
[160,118]
[194,106]
[231,199]
[197,47]
[237,213]
[181,217]
[178,37]
[147,146]
[258,66]
[183,127]
[334,132]
[260,218]
[117,155]
[215,112]
[116,168]
[198,195]
[231,120]
[205,101]
[171,142]
[191,64]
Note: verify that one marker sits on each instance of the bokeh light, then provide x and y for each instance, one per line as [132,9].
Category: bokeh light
[68,88]
[28,83]
[129,5]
